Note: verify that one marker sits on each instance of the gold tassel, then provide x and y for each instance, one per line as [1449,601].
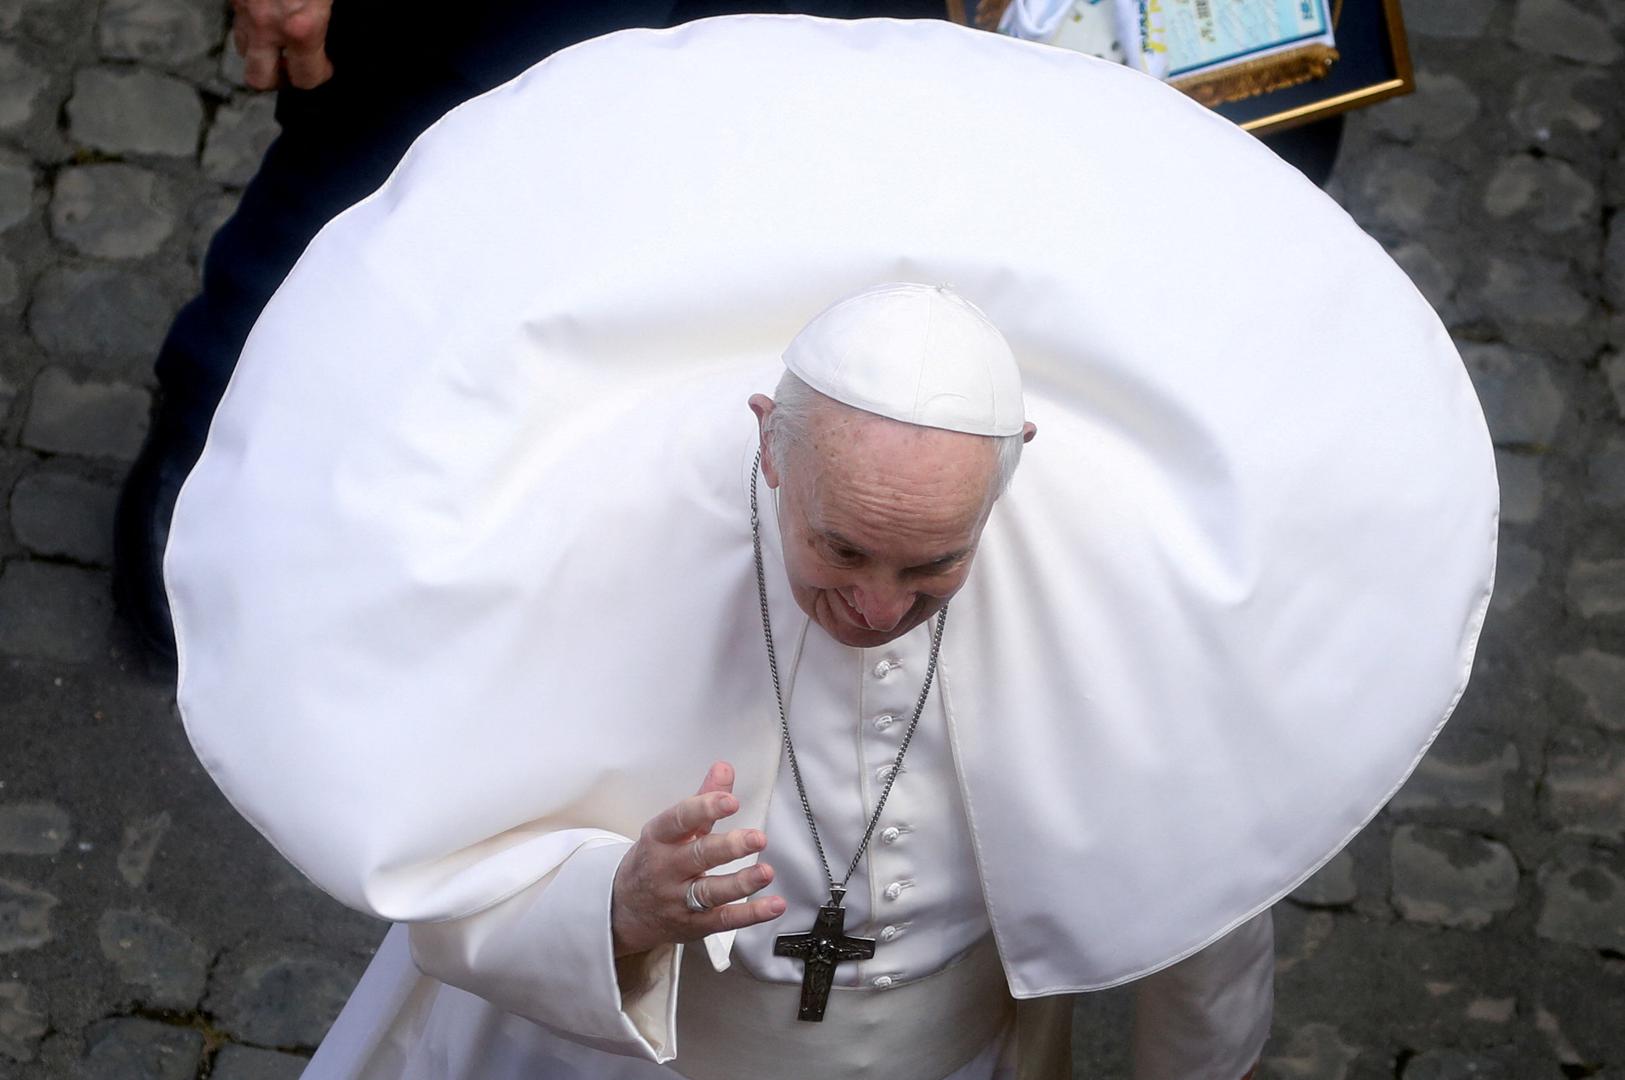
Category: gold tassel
[1259,76]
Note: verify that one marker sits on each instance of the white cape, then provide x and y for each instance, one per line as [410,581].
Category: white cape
[463,577]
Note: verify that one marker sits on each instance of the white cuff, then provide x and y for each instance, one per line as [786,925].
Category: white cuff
[546,954]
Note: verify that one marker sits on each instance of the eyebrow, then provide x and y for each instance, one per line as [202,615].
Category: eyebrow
[838,540]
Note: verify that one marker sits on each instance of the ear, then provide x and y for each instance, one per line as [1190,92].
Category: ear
[1029,431]
[762,406]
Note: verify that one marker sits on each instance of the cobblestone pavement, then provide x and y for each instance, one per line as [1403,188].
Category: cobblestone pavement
[1476,929]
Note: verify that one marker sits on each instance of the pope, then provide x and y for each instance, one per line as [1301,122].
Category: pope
[891,435]
[855,731]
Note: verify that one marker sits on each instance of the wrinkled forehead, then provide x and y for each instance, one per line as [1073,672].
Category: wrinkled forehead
[856,465]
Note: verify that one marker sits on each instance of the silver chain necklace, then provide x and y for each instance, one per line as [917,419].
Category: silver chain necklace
[826,944]
[837,889]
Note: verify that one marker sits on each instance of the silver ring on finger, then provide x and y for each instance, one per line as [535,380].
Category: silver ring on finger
[691,899]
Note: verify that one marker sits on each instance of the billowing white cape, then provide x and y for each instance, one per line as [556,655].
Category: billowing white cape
[464,574]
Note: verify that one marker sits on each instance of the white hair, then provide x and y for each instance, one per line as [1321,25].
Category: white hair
[794,403]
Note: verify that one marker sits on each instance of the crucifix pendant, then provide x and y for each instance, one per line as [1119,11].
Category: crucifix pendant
[819,950]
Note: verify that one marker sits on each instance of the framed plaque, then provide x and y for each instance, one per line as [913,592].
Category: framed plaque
[1268,65]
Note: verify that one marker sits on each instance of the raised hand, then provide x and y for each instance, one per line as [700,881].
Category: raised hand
[282,38]
[676,848]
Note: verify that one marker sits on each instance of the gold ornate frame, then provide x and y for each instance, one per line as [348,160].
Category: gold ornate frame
[1399,80]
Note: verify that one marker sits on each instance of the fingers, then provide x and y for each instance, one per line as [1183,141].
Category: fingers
[739,916]
[262,66]
[726,888]
[274,36]
[720,777]
[710,852]
[306,47]
[693,815]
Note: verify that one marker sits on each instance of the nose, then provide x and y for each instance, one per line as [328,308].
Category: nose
[881,608]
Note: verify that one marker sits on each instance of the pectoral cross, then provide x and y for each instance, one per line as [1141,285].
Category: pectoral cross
[819,950]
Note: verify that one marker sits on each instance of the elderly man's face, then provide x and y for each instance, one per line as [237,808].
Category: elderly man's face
[880,520]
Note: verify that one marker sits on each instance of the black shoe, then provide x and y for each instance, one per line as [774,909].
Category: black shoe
[141,529]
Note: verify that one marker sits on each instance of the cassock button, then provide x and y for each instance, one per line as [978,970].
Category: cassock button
[883,773]
[890,834]
[888,933]
[894,890]
[886,667]
[884,721]
[882,981]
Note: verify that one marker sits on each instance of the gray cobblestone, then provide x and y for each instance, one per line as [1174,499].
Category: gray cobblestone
[1532,290]
[1447,877]
[1331,886]
[248,1063]
[33,828]
[279,1000]
[53,612]
[16,189]
[1583,901]
[155,956]
[1614,262]
[135,112]
[1517,572]
[1613,366]
[1544,192]
[61,514]
[23,1022]
[1311,1052]
[1597,586]
[1523,493]
[113,211]
[1599,678]
[25,916]
[1562,109]
[139,847]
[51,22]
[1402,191]
[1521,399]
[1605,473]
[1449,18]
[99,313]
[1559,28]
[136,1049]
[1470,773]
[1457,1065]
[21,87]
[10,286]
[238,140]
[231,69]
[1584,789]
[1442,107]
[1433,277]
[159,31]
[94,419]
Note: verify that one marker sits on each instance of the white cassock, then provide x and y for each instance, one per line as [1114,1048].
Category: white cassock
[918,893]
[463,587]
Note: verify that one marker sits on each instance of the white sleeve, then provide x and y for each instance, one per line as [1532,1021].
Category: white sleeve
[1206,1017]
[546,954]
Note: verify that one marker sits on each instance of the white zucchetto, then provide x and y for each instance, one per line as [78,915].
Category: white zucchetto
[921,354]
